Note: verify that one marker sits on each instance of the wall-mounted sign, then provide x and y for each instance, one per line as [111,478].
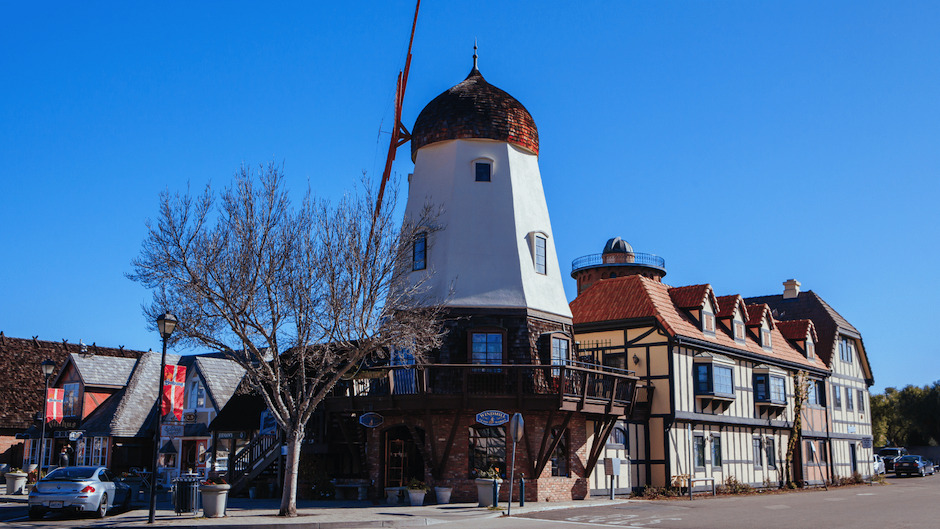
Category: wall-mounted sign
[866,442]
[172,430]
[189,417]
[492,417]
[75,435]
[371,419]
[268,424]
[232,435]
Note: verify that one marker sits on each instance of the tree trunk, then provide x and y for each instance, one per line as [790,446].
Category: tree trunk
[289,495]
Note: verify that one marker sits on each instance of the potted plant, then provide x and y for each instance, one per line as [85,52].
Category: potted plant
[442,494]
[16,481]
[485,482]
[214,497]
[416,491]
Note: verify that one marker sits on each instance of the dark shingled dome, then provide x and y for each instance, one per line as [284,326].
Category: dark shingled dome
[475,109]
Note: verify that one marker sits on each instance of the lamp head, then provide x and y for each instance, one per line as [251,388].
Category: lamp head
[166,323]
[47,366]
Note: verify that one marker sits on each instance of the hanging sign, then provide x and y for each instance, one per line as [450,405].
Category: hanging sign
[492,417]
[174,381]
[371,419]
[55,397]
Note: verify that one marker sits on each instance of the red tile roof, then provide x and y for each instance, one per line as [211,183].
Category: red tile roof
[756,314]
[797,329]
[636,297]
[692,296]
[726,305]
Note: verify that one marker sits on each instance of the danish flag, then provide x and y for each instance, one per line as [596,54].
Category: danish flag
[54,400]
[174,383]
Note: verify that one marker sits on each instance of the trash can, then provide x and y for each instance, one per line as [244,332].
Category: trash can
[185,488]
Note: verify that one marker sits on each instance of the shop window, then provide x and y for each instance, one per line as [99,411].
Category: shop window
[698,450]
[487,450]
[716,451]
[560,456]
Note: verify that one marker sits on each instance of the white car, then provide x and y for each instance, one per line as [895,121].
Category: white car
[78,489]
[878,466]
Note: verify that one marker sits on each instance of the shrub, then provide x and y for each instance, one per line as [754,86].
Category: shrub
[731,485]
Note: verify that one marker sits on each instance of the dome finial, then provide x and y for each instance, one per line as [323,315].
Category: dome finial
[475,69]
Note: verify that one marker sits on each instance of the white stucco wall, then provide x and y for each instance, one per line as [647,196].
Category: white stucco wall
[484,250]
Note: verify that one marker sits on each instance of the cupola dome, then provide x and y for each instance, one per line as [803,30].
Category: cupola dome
[475,109]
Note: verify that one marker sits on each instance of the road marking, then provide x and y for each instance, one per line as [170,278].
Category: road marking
[835,499]
[866,494]
[623,520]
[776,507]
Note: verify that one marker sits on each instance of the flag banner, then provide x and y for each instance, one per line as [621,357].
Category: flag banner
[54,400]
[174,383]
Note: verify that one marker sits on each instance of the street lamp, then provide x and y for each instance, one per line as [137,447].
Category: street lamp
[166,323]
[47,366]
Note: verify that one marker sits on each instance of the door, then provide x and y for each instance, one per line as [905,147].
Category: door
[853,458]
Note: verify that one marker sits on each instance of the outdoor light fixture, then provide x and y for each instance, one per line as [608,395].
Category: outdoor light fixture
[636,359]
[166,324]
[47,366]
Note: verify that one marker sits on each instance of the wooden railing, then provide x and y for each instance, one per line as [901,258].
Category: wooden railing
[573,381]
[252,459]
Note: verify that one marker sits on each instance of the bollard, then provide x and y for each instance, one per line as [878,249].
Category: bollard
[495,494]
[522,491]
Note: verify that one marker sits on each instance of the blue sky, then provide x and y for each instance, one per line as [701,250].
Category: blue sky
[745,142]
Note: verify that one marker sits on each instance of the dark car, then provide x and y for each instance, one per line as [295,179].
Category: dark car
[78,489]
[890,455]
[910,465]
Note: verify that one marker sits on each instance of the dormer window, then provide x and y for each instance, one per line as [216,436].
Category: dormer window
[810,349]
[765,338]
[738,327]
[71,403]
[483,171]
[708,322]
[846,350]
[197,394]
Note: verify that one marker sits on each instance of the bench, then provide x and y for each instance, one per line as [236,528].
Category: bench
[693,481]
[345,487]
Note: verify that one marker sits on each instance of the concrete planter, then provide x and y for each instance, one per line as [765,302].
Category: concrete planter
[416,496]
[485,491]
[16,482]
[443,494]
[214,498]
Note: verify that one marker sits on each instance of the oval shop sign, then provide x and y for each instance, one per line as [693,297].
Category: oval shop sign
[492,417]
[371,419]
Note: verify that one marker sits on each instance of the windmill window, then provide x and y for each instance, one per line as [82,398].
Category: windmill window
[540,254]
[483,171]
[420,252]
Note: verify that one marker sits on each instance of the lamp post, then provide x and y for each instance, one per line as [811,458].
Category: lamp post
[47,366]
[166,323]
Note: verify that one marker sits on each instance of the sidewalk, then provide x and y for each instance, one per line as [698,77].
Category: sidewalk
[262,514]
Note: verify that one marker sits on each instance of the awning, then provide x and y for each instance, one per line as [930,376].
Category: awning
[168,448]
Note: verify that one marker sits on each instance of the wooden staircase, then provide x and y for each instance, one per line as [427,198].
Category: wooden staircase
[251,461]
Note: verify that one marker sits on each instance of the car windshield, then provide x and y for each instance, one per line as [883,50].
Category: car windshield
[909,458]
[890,452]
[70,473]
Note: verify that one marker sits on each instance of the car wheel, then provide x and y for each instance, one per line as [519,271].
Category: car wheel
[922,472]
[102,507]
[36,513]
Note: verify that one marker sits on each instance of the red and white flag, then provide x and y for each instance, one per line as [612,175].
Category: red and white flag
[54,400]
[174,384]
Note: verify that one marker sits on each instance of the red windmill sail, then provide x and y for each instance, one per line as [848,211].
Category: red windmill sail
[54,400]
[174,384]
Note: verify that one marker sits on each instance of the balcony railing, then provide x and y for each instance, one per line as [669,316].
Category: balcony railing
[573,381]
[619,259]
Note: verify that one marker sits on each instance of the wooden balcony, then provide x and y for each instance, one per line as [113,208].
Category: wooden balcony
[586,388]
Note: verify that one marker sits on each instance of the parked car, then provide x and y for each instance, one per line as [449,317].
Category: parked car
[878,465]
[78,489]
[910,465]
[890,455]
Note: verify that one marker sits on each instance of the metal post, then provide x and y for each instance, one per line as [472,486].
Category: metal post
[512,470]
[495,494]
[42,436]
[522,490]
[156,437]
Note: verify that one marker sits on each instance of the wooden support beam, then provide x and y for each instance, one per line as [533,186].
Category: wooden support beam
[543,458]
[598,445]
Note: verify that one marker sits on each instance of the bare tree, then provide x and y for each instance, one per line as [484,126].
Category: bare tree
[801,382]
[297,296]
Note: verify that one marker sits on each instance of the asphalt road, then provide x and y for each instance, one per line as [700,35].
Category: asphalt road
[902,503]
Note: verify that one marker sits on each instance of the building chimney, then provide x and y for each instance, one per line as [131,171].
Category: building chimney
[791,289]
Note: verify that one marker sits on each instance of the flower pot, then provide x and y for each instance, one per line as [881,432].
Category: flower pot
[485,491]
[16,482]
[416,496]
[214,498]
[443,494]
